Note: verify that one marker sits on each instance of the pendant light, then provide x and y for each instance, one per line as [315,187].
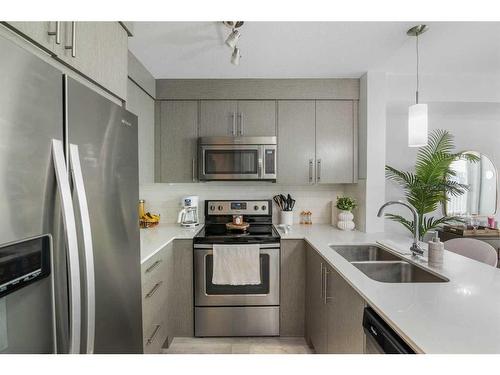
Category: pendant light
[417,113]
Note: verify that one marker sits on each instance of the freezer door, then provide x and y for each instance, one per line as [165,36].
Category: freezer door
[106,136]
[30,117]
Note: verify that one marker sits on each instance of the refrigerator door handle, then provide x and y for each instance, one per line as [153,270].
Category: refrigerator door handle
[68,215]
[88,251]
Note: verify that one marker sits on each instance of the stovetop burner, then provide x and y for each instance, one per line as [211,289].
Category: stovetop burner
[256,233]
[258,213]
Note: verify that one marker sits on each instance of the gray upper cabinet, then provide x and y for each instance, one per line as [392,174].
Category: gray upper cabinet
[178,129]
[256,118]
[218,118]
[98,50]
[237,118]
[296,141]
[336,142]
[39,32]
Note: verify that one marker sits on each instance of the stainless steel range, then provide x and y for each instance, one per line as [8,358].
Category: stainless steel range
[237,310]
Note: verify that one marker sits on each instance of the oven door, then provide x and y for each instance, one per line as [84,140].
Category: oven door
[264,294]
[230,162]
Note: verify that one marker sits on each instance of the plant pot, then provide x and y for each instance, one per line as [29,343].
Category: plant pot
[345,220]
[286,217]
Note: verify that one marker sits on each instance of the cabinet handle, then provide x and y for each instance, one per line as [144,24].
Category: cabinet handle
[311,165]
[153,335]
[193,169]
[153,266]
[318,170]
[322,284]
[233,129]
[57,33]
[154,290]
[72,47]
[240,119]
[325,293]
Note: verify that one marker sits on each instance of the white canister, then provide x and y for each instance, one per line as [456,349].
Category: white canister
[286,217]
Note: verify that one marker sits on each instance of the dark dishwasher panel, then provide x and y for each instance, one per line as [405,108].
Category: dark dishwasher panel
[382,337]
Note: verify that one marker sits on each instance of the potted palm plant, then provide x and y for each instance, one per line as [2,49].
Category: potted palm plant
[429,185]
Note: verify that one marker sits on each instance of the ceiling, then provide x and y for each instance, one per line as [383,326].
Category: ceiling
[315,49]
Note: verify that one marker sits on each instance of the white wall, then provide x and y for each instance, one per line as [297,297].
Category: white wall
[476,126]
[165,198]
[369,191]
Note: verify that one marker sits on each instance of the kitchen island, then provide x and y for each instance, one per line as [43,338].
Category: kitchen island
[458,316]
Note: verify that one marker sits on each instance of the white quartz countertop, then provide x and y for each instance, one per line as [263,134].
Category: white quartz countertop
[154,239]
[459,316]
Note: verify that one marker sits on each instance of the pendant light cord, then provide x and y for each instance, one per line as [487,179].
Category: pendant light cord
[416,94]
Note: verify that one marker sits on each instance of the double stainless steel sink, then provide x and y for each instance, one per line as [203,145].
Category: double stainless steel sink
[384,266]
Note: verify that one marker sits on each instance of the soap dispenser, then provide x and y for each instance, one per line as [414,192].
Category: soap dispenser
[436,251]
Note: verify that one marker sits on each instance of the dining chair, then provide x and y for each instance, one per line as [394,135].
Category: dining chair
[473,249]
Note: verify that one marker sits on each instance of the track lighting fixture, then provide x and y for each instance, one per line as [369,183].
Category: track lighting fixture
[232,40]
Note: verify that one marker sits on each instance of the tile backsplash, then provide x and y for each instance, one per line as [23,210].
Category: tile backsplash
[165,198]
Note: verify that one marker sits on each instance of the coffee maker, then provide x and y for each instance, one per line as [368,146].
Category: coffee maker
[188,215]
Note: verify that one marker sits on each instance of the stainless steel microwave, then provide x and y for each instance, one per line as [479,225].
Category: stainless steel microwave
[237,158]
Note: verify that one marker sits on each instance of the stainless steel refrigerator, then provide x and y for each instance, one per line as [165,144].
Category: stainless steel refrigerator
[68,209]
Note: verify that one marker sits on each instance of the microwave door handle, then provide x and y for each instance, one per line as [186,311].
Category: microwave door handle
[260,169]
[68,215]
[77,176]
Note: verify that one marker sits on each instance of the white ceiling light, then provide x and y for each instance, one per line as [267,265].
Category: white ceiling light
[232,40]
[235,57]
[417,113]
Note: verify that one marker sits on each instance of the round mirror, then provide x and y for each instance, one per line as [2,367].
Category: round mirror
[481,197]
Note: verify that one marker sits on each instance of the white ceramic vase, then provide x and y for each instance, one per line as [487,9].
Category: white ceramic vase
[345,220]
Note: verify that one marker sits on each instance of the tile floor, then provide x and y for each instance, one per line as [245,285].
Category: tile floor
[239,345]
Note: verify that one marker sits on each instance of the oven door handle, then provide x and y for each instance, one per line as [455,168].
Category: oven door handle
[262,246]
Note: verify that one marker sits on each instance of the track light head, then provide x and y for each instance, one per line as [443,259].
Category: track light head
[233,38]
[235,57]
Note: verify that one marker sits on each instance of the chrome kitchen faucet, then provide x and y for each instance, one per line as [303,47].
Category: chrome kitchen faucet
[415,248]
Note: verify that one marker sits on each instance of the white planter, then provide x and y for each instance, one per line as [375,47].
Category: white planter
[286,217]
[345,220]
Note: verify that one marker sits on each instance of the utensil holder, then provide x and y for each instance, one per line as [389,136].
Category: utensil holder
[286,217]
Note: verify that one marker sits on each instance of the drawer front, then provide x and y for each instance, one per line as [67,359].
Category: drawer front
[153,302]
[152,268]
[154,337]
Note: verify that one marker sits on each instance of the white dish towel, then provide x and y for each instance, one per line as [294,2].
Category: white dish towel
[236,265]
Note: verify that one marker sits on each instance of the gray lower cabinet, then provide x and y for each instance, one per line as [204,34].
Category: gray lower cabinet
[178,132]
[296,141]
[180,295]
[344,316]
[316,322]
[167,295]
[293,288]
[218,118]
[336,142]
[334,311]
[156,282]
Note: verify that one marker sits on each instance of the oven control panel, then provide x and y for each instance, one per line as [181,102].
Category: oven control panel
[252,207]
